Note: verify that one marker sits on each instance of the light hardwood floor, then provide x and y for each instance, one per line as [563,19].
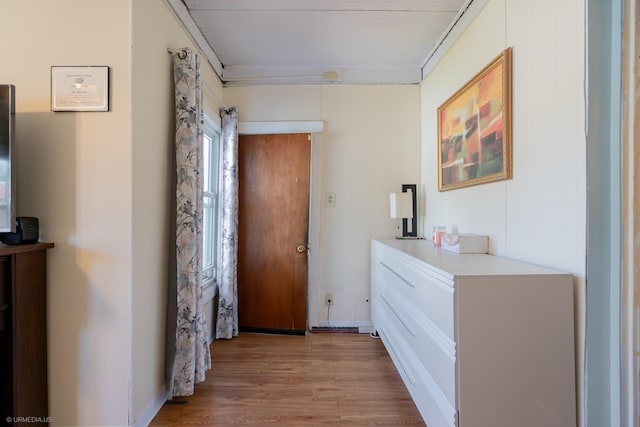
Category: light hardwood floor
[321,379]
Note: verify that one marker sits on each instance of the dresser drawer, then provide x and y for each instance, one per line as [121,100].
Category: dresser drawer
[433,350]
[432,295]
[434,407]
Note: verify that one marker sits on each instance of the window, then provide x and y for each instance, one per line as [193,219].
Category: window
[210,202]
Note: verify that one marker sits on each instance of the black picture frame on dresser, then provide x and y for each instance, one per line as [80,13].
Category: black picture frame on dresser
[411,188]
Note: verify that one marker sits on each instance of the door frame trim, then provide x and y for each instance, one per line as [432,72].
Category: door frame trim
[272,128]
[313,128]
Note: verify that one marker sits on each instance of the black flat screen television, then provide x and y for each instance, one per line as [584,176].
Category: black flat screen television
[7,158]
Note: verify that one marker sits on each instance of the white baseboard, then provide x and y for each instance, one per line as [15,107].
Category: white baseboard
[365,329]
[151,410]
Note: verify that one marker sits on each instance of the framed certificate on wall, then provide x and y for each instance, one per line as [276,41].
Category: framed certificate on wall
[81,88]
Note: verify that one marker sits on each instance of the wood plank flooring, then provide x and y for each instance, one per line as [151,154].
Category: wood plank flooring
[321,379]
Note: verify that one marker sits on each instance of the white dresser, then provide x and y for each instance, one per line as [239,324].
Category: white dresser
[479,340]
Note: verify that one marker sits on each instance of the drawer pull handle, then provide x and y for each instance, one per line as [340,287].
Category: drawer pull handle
[401,362]
[393,310]
[411,285]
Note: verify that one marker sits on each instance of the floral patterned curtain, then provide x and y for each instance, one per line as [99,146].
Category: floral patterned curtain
[227,322]
[192,358]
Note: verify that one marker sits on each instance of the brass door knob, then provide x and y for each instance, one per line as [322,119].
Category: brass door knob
[301,248]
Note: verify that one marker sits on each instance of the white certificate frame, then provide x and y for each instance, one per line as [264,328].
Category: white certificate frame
[80,88]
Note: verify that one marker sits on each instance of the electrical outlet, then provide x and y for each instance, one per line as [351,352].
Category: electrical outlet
[331,199]
[328,298]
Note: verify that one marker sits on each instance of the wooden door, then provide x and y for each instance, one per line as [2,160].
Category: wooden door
[273,224]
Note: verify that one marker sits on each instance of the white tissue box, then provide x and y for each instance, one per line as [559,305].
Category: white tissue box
[466,243]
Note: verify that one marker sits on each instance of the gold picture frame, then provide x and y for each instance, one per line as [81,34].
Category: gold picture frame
[474,129]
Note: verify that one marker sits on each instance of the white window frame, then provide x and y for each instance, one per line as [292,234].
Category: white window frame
[210,275]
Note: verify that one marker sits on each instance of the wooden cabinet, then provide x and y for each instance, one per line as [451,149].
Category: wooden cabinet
[479,340]
[23,334]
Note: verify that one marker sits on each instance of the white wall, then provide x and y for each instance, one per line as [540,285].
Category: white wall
[100,185]
[539,216]
[153,153]
[74,174]
[369,147]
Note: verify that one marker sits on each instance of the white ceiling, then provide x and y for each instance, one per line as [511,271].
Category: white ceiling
[322,41]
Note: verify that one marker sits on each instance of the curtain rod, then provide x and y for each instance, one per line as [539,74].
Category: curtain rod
[182,53]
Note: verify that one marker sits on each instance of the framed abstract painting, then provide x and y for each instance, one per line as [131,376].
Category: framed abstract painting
[474,129]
